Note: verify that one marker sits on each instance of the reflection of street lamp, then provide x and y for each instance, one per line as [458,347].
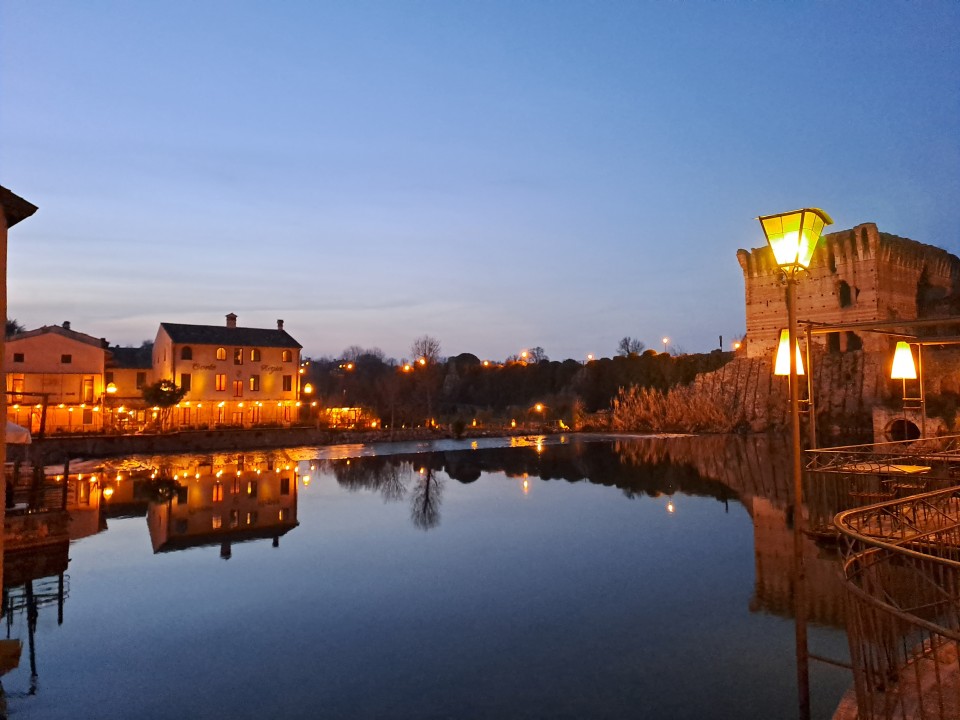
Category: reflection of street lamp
[792,237]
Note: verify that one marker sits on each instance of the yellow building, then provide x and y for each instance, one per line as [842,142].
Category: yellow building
[128,370]
[233,375]
[55,379]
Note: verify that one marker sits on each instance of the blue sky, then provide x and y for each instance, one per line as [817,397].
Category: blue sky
[496,174]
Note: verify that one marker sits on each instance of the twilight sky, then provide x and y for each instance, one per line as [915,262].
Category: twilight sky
[496,174]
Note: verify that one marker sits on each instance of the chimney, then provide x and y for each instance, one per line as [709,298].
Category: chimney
[279,324]
[66,324]
[231,320]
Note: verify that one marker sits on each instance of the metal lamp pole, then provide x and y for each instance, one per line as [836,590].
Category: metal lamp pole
[793,237]
[799,591]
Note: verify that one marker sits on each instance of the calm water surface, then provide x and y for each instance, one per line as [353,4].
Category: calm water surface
[620,579]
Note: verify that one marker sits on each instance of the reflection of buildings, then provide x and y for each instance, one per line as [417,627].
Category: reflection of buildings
[223,506]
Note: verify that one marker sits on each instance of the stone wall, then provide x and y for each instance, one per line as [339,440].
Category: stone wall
[846,387]
[858,275]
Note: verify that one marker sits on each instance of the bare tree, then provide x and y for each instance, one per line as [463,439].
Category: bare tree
[629,346]
[426,347]
[538,354]
[425,500]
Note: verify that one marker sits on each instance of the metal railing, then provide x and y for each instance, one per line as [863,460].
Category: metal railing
[939,455]
[901,562]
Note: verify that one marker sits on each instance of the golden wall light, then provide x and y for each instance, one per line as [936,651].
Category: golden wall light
[903,366]
[781,365]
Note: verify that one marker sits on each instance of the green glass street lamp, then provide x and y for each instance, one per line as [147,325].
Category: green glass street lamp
[793,237]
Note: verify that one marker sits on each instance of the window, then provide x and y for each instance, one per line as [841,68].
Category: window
[287,383]
[218,492]
[251,488]
[254,355]
[238,356]
[18,357]
[238,388]
[234,518]
[221,353]
[284,514]
[186,353]
[287,356]
[221,417]
[221,381]
[141,380]
[185,416]
[66,359]
[17,387]
[285,486]
[254,383]
[252,518]
[216,522]
[87,392]
[255,414]
[185,381]
[87,416]
[236,486]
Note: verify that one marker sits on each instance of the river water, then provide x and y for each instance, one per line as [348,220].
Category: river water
[557,577]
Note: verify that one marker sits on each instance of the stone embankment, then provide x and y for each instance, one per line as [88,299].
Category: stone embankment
[95,446]
[846,386]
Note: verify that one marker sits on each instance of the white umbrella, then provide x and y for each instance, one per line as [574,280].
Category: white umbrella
[17,435]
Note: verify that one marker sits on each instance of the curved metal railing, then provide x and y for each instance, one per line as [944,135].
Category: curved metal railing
[901,562]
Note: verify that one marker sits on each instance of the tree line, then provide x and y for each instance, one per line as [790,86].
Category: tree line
[530,389]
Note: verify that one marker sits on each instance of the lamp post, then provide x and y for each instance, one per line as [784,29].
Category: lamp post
[793,236]
[665,341]
[905,369]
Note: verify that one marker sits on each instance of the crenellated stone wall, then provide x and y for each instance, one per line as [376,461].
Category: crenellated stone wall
[857,275]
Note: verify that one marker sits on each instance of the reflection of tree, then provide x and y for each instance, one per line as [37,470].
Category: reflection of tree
[386,476]
[426,499]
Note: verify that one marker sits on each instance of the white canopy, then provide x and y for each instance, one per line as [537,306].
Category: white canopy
[17,435]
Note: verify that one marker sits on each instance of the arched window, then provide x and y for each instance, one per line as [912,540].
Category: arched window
[287,356]
[254,355]
[186,353]
[221,353]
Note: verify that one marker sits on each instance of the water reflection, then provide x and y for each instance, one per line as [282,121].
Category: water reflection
[216,501]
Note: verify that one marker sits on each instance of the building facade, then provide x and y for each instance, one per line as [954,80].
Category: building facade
[55,379]
[232,375]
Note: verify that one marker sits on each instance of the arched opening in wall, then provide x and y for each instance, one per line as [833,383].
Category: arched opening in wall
[853,341]
[832,261]
[843,291]
[902,429]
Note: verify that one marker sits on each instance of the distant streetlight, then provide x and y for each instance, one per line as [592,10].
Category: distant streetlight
[665,341]
[793,236]
[736,345]
[589,357]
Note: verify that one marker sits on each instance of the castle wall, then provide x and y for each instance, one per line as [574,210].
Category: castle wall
[858,275]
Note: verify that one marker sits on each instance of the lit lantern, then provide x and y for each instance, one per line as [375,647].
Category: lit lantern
[781,364]
[793,236]
[903,365]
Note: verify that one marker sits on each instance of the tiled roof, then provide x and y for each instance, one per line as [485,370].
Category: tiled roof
[58,330]
[140,358]
[223,335]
